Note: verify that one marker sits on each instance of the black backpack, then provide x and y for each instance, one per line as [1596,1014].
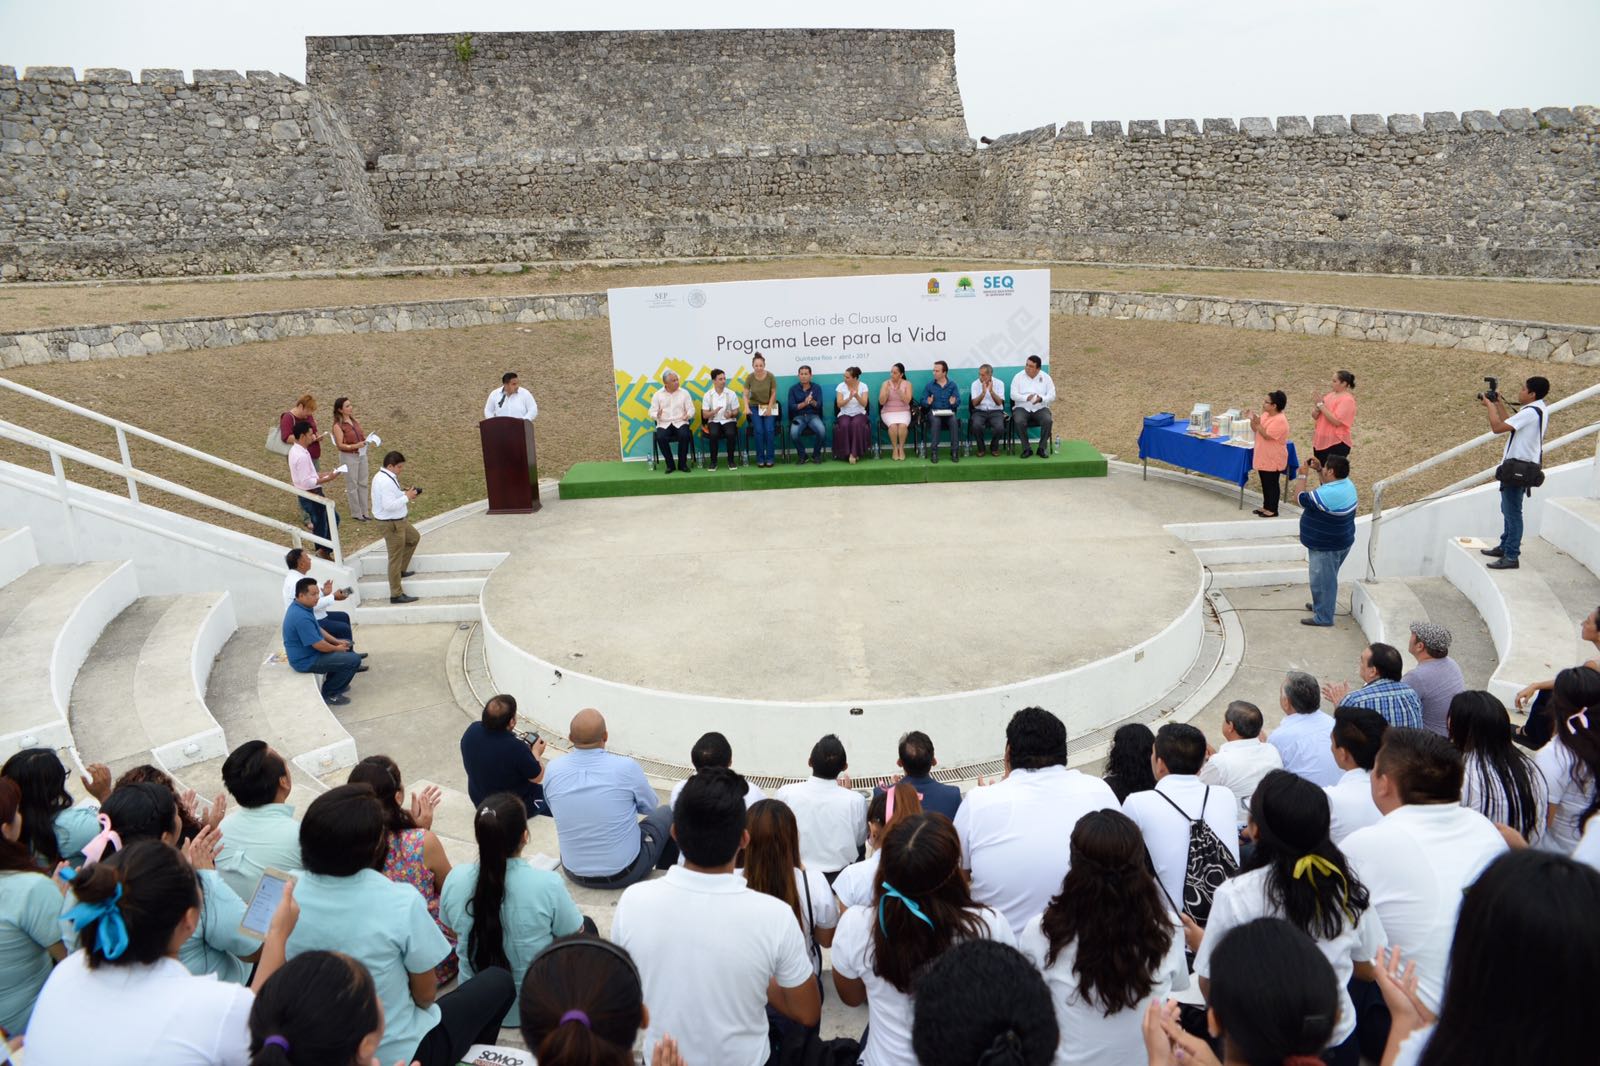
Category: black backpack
[1210,863]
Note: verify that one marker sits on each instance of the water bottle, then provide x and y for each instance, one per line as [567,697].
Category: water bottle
[1058,444]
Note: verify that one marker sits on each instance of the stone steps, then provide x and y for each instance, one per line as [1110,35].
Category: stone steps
[1572,524]
[18,554]
[1215,553]
[435,609]
[426,585]
[1256,574]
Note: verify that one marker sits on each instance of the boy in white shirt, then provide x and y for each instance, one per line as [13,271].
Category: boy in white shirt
[1357,735]
[832,816]
[1164,813]
[1245,756]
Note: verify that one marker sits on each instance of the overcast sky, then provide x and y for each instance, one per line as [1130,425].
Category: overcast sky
[1021,64]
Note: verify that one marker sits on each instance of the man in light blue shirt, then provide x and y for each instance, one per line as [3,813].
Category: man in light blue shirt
[1302,737]
[261,831]
[596,797]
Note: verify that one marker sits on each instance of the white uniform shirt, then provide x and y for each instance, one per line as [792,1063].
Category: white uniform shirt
[987,403]
[1302,741]
[1588,849]
[1569,798]
[1416,862]
[1244,899]
[291,579]
[1088,1036]
[706,946]
[1166,832]
[858,882]
[832,822]
[1022,387]
[889,1010]
[1527,439]
[720,407]
[823,913]
[1014,836]
[1239,766]
[1350,805]
[389,501]
[519,404]
[674,408]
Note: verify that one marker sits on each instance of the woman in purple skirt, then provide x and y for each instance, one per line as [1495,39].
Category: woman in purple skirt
[850,429]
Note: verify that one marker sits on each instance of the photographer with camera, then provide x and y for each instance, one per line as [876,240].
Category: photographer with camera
[499,758]
[1520,470]
[390,503]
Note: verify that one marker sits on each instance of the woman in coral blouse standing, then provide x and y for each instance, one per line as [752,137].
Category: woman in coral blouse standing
[1271,458]
[1334,416]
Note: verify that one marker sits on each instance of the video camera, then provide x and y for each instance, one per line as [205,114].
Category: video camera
[1492,393]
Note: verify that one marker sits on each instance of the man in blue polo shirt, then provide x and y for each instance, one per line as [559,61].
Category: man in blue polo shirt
[313,650]
[942,400]
[1327,529]
[917,760]
[805,414]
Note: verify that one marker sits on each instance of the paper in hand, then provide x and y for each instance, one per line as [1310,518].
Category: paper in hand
[342,468]
[373,439]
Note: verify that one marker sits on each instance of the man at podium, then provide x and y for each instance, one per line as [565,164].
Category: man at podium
[511,400]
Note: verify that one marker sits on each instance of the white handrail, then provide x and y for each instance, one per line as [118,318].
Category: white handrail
[133,476]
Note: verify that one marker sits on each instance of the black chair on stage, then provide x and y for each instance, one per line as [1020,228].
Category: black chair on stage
[656,448]
[872,435]
[922,427]
[1016,434]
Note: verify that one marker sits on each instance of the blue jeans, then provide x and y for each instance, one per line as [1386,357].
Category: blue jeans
[318,514]
[809,422]
[1511,510]
[339,666]
[766,430]
[1324,572]
[338,623]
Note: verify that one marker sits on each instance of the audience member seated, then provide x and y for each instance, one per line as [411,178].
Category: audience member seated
[851,434]
[983,1002]
[523,909]
[1498,780]
[1128,766]
[719,417]
[922,907]
[1170,815]
[148,811]
[1032,393]
[334,622]
[1571,761]
[1274,999]
[320,1007]
[1245,756]
[1527,908]
[713,750]
[596,798]
[772,867]
[313,650]
[988,410]
[498,759]
[1425,851]
[1108,945]
[260,832]
[582,1004]
[1302,737]
[941,399]
[1538,728]
[805,414]
[1011,831]
[413,855]
[124,991]
[193,817]
[672,409]
[1295,872]
[1357,735]
[742,949]
[916,758]
[832,816]
[1436,678]
[54,829]
[857,883]
[345,904]
[1381,688]
[30,906]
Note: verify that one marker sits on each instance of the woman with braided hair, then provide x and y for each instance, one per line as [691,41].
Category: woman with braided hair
[1107,944]
[1298,874]
[921,908]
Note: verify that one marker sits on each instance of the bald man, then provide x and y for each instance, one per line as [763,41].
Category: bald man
[596,797]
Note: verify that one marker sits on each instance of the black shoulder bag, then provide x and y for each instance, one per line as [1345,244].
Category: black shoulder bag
[1519,473]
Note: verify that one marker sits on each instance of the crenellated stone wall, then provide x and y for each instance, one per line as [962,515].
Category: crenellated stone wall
[162,158]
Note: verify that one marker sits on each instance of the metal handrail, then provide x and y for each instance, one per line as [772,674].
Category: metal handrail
[1475,479]
[133,476]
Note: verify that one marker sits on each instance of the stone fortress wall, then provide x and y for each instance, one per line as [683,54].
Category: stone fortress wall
[520,147]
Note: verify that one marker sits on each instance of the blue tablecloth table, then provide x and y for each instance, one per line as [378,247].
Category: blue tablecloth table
[1211,456]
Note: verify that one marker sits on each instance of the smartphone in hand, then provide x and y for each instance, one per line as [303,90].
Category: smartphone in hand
[264,903]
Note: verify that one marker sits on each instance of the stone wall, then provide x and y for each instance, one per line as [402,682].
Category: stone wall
[1461,189]
[830,182]
[163,158]
[476,92]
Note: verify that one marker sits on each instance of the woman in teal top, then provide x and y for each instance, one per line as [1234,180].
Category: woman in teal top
[52,827]
[30,940]
[522,909]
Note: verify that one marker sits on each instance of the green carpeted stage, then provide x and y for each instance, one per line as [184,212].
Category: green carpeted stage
[592,481]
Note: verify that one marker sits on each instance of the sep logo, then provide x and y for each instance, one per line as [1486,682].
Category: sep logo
[998,284]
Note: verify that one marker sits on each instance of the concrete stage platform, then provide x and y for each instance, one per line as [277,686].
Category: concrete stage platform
[588,481]
[778,616]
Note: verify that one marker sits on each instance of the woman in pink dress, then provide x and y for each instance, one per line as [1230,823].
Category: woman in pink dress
[894,400]
[1271,457]
[415,856]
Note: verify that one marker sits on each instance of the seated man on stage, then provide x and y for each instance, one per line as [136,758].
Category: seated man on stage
[719,412]
[988,409]
[672,409]
[942,399]
[1032,392]
[805,405]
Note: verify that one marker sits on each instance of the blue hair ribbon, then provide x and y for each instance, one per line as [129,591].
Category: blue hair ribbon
[907,901]
[111,937]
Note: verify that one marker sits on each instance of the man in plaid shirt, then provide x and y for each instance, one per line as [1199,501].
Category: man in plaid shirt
[1382,690]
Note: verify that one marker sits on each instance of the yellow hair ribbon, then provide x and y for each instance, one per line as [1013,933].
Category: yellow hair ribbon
[1308,866]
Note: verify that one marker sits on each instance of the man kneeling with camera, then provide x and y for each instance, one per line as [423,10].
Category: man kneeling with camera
[390,503]
[1520,470]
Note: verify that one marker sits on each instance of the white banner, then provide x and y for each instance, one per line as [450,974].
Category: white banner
[966,318]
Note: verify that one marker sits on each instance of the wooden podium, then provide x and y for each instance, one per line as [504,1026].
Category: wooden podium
[510,465]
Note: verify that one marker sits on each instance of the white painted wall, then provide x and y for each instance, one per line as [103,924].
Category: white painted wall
[17,555]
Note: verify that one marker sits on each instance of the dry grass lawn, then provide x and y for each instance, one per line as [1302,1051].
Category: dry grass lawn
[25,307]
[423,393]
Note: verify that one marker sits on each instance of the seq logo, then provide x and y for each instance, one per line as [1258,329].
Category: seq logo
[998,284]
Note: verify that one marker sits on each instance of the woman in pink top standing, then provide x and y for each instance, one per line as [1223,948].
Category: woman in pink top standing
[1271,457]
[1335,414]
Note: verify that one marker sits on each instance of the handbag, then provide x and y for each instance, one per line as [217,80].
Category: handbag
[795,1045]
[275,442]
[1520,473]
